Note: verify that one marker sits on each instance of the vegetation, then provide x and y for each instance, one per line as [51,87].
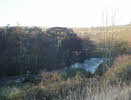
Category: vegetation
[23,48]
[120,71]
[46,52]
[54,85]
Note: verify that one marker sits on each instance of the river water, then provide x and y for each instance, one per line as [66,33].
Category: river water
[90,65]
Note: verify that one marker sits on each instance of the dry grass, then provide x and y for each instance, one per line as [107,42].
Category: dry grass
[123,32]
[54,87]
[121,69]
[110,93]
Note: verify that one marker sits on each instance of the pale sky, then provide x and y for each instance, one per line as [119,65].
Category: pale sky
[65,13]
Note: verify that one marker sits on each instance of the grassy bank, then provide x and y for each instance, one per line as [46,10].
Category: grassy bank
[115,84]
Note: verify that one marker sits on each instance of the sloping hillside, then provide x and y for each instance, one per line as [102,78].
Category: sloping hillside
[123,31]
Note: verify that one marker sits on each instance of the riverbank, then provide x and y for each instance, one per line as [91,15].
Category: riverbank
[76,84]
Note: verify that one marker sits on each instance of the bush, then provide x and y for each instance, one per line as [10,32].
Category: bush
[99,70]
[119,48]
[120,71]
[70,73]
[51,77]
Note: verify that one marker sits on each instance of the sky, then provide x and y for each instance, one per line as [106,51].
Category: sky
[64,13]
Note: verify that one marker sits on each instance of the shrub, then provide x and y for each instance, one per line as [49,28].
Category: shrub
[120,71]
[51,77]
[99,70]
[120,47]
[70,73]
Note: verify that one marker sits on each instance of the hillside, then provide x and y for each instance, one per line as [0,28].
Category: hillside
[124,31]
